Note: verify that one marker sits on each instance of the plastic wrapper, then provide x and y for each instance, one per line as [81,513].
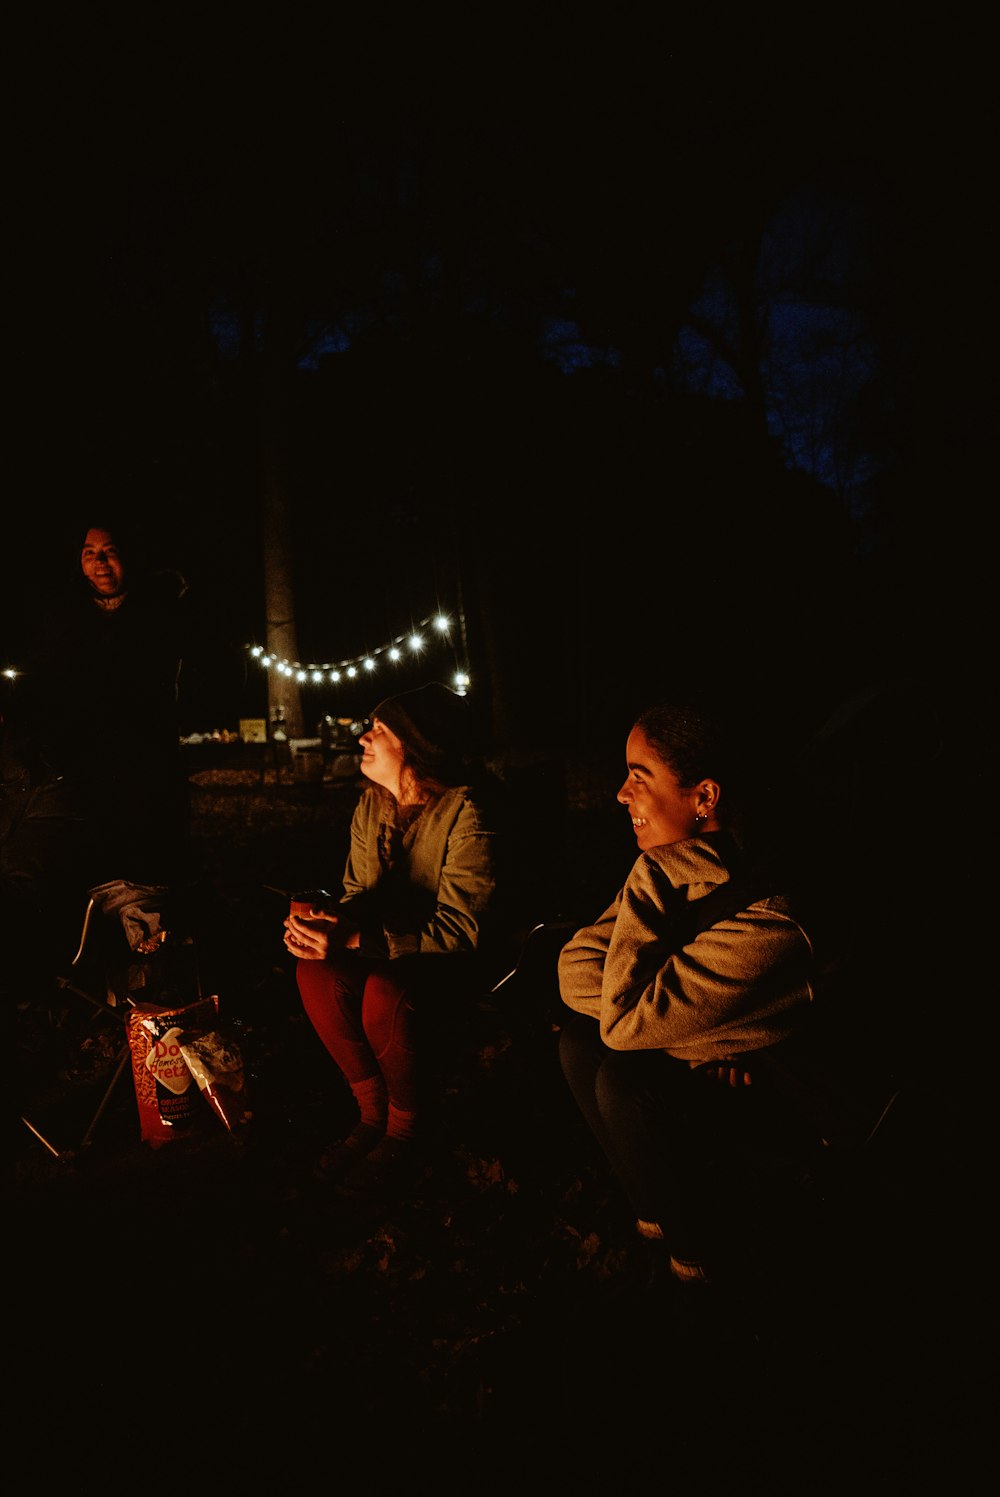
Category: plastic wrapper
[169,1098]
[216,1063]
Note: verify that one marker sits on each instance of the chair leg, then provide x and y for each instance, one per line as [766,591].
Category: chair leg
[59,1153]
[119,1068]
[65,1155]
[100,1004]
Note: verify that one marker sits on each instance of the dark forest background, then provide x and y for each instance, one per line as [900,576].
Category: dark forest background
[652,363]
[661,346]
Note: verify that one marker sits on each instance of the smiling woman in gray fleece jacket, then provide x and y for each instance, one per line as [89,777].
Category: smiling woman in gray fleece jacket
[661,1014]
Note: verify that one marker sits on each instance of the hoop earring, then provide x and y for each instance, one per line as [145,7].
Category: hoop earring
[699,821]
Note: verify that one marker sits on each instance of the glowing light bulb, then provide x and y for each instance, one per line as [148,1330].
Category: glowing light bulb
[352,671]
[334,675]
[442,624]
[395,653]
[368,663]
[416,643]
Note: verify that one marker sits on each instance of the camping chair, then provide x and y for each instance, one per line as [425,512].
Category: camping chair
[539,951]
[108,976]
[530,987]
[90,979]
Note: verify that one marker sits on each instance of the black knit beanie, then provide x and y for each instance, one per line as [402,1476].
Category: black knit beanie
[432,721]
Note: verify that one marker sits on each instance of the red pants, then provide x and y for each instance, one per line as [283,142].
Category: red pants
[375,1016]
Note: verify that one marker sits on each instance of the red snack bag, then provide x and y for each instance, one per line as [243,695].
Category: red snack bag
[169,1103]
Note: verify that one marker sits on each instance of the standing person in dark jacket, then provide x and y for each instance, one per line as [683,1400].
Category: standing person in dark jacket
[413,932]
[104,682]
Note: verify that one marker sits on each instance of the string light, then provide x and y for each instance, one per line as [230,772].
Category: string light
[319,674]
[396,650]
[413,643]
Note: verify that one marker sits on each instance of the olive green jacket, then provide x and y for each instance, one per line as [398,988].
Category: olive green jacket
[741,985]
[432,887]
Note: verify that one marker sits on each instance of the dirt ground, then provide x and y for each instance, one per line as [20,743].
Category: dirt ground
[210,1308]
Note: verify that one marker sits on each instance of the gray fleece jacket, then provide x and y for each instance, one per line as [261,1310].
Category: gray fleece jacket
[431,887]
[741,985]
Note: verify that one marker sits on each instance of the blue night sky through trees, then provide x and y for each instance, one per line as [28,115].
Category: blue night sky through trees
[817,352]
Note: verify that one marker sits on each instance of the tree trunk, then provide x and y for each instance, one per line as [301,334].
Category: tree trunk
[284,696]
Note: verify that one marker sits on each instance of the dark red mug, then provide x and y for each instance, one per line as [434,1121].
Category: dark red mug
[306,900]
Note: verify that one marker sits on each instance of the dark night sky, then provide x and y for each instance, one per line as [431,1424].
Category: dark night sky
[149,173]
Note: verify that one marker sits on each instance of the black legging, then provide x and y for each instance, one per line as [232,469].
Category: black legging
[669,1133]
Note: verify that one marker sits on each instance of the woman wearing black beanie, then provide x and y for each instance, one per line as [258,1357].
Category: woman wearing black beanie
[414,930]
